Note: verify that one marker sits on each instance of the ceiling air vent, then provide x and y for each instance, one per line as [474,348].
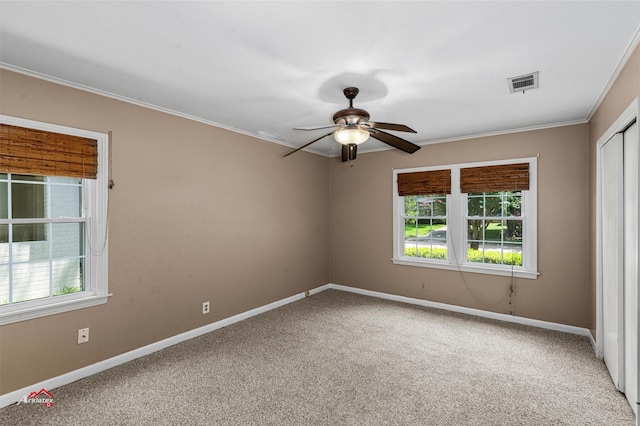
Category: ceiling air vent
[523,82]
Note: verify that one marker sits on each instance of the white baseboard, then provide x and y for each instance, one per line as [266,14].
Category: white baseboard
[72,376]
[470,311]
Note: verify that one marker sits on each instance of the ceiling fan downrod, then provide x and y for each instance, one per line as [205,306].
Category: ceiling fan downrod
[351,93]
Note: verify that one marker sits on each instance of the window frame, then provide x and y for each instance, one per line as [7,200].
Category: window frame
[457,225]
[95,208]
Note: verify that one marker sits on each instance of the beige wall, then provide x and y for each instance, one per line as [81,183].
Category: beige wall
[361,227]
[198,213]
[625,89]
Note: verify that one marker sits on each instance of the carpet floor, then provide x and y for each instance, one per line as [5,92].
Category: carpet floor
[338,358]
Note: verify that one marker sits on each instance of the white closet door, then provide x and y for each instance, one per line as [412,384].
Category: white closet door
[631,265]
[612,256]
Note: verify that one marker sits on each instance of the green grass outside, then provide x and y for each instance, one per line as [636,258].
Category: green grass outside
[423,229]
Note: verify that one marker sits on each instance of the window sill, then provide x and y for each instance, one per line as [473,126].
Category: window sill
[41,308]
[502,271]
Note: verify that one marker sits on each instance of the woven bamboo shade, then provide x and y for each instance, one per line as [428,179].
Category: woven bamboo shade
[424,183]
[506,177]
[39,152]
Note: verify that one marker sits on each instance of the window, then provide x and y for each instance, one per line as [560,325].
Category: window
[53,215]
[494,224]
[478,217]
[425,226]
[424,216]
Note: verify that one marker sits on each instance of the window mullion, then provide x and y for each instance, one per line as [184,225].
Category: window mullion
[455,218]
[524,215]
[10,237]
[49,235]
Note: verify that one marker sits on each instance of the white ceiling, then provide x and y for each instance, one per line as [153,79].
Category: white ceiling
[265,67]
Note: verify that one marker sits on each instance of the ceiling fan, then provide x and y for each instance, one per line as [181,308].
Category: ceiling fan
[352,127]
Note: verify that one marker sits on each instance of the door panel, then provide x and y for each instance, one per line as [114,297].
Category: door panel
[612,255]
[631,265]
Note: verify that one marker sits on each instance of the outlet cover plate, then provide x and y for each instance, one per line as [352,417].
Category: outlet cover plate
[83,335]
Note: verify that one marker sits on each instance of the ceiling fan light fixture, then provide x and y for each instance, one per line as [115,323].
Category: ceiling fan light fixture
[353,128]
[350,135]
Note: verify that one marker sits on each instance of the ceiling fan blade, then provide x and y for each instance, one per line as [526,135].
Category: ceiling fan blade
[306,145]
[394,141]
[390,126]
[349,152]
[316,128]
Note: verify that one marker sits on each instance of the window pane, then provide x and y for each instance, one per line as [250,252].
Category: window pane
[67,276]
[424,206]
[4,236]
[410,248]
[475,205]
[29,232]
[513,254]
[513,231]
[61,180]
[30,281]
[410,237]
[29,178]
[28,250]
[411,234]
[439,205]
[4,200]
[65,201]
[4,284]
[410,206]
[513,204]
[410,228]
[476,229]
[493,206]
[493,231]
[435,205]
[68,239]
[438,232]
[27,201]
[485,253]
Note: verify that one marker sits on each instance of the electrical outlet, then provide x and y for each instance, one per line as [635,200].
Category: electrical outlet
[205,308]
[83,335]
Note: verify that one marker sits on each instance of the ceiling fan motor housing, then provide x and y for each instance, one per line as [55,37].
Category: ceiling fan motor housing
[350,116]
